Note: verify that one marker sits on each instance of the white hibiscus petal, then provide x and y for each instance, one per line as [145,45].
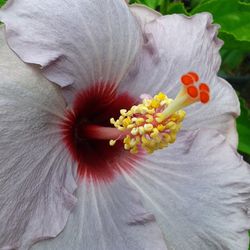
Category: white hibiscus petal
[108,216]
[36,180]
[175,45]
[198,190]
[144,14]
[219,113]
[232,134]
[80,42]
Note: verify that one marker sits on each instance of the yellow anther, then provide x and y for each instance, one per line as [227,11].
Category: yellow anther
[123,112]
[171,125]
[126,146]
[134,150]
[121,118]
[144,127]
[155,103]
[148,127]
[172,137]
[159,119]
[162,103]
[120,128]
[166,137]
[133,109]
[151,111]
[144,110]
[154,133]
[130,126]
[129,113]
[138,139]
[112,120]
[132,142]
[141,130]
[134,131]
[161,96]
[126,140]
[161,127]
[157,139]
[146,102]
[112,142]
[144,140]
[126,122]
[139,121]
[181,115]
[137,110]
[150,118]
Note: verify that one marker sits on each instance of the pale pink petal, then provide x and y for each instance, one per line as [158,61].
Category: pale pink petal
[232,134]
[144,14]
[108,216]
[175,45]
[199,191]
[76,42]
[36,179]
[219,113]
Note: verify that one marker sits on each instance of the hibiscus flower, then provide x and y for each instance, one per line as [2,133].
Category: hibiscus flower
[70,179]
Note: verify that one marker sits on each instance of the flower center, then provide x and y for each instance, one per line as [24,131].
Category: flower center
[88,146]
[154,123]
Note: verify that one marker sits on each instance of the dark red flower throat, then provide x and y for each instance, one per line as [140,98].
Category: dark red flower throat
[95,105]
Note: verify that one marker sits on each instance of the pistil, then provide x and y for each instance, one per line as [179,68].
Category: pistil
[101,133]
[187,95]
[155,123]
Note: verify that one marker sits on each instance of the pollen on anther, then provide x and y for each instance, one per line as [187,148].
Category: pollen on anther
[189,78]
[204,97]
[204,87]
[194,75]
[192,91]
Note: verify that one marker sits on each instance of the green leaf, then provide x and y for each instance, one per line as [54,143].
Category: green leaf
[243,125]
[249,236]
[164,6]
[231,59]
[177,7]
[231,42]
[245,1]
[2,2]
[194,3]
[160,5]
[150,3]
[233,16]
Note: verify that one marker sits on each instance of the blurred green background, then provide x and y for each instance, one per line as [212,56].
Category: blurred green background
[234,19]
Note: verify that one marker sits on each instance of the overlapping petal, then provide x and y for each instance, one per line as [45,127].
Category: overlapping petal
[199,190]
[144,14]
[108,216]
[76,42]
[36,175]
[175,45]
